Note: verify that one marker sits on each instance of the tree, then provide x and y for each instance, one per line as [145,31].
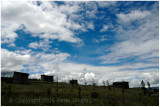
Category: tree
[143,84]
[108,85]
[148,85]
[143,87]
[103,82]
[93,82]
[4,74]
[85,82]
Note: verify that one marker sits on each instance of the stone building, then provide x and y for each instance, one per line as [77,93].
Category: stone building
[47,78]
[20,77]
[73,82]
[121,84]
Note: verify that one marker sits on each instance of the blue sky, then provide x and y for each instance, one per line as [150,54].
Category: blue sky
[105,40]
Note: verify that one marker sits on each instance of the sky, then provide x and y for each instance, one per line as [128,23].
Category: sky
[83,40]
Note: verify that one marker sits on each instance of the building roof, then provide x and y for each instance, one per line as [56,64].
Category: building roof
[21,72]
[47,75]
[121,82]
[73,80]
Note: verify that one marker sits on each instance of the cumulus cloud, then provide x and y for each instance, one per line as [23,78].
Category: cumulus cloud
[111,73]
[128,49]
[8,35]
[138,45]
[133,15]
[47,18]
[105,27]
[35,76]
[102,38]
[13,61]
[104,4]
[89,77]
[91,9]
[51,21]
[44,45]
[54,64]
[137,42]
[90,26]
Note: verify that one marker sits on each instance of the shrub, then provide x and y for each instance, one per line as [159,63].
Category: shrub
[94,95]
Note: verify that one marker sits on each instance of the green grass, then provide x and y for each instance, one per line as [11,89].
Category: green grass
[44,93]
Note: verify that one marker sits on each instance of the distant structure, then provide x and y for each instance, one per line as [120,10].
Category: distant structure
[121,84]
[20,77]
[73,82]
[7,79]
[47,78]
[7,76]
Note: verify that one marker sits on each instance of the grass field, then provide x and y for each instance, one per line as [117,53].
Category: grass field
[38,93]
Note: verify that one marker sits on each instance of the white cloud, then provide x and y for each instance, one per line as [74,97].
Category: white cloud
[90,26]
[13,61]
[104,4]
[70,7]
[133,15]
[111,73]
[105,27]
[23,51]
[34,45]
[8,34]
[56,58]
[11,45]
[101,38]
[44,45]
[35,76]
[138,42]
[47,18]
[54,64]
[130,49]
[89,78]
[89,75]
[91,9]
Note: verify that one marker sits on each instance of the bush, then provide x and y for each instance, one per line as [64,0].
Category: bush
[94,95]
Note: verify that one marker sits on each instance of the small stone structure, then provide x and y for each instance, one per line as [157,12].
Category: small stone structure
[47,78]
[121,84]
[73,82]
[20,77]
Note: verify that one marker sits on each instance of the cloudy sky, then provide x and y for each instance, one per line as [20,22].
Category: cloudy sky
[103,40]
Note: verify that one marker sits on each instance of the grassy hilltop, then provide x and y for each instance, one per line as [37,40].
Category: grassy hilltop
[38,93]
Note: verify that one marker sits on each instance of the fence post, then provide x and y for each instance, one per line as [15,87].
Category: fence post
[79,94]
